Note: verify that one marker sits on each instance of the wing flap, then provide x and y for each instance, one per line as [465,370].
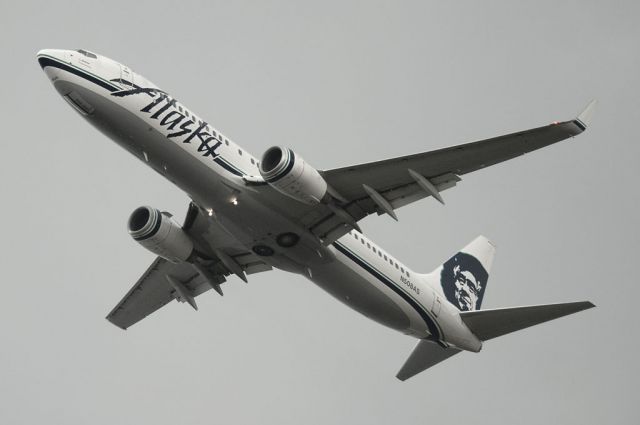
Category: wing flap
[153,291]
[164,281]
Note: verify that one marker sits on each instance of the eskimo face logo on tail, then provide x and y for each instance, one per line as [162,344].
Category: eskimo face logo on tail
[463,280]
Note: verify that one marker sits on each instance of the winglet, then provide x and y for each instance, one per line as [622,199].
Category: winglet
[584,119]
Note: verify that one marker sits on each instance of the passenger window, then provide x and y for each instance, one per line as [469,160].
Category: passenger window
[252,161]
[362,241]
[240,152]
[401,269]
[396,266]
[368,246]
[374,250]
[226,142]
[385,257]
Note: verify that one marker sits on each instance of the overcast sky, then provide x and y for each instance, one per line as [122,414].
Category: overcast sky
[340,83]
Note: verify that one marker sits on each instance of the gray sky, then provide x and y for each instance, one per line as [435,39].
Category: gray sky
[340,83]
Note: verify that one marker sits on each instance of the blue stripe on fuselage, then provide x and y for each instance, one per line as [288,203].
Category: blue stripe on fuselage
[431,323]
[45,61]
[229,167]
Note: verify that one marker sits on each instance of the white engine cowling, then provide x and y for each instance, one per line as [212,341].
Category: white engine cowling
[160,234]
[291,175]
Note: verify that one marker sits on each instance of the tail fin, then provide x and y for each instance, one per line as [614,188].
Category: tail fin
[464,276]
[488,324]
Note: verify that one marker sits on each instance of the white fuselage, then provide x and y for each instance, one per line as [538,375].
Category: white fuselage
[213,170]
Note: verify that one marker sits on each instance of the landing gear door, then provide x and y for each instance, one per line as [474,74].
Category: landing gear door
[126,76]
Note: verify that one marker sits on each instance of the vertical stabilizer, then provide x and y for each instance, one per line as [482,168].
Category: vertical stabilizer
[464,276]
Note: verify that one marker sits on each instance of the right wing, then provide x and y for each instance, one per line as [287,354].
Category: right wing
[153,290]
[165,281]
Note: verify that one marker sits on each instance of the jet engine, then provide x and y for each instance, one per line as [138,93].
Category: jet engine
[290,174]
[160,234]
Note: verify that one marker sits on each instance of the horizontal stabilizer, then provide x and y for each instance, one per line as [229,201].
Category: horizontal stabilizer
[488,324]
[425,355]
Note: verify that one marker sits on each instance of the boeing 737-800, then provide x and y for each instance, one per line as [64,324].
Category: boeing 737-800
[248,215]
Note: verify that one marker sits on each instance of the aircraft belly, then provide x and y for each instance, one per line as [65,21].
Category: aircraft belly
[105,114]
[200,180]
[360,294]
[210,189]
[150,146]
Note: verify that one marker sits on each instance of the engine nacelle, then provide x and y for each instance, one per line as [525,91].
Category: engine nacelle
[160,234]
[291,175]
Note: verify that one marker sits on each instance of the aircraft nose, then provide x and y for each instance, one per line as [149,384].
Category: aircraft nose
[48,57]
[59,54]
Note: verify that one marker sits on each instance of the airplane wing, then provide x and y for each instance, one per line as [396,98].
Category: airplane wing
[383,186]
[165,281]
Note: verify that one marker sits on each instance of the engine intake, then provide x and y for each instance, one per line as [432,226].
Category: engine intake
[291,175]
[160,234]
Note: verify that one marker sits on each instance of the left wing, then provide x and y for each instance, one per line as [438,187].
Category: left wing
[441,168]
[383,186]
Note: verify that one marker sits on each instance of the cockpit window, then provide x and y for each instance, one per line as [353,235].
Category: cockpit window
[87,54]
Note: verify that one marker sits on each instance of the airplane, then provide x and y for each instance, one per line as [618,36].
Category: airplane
[249,215]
